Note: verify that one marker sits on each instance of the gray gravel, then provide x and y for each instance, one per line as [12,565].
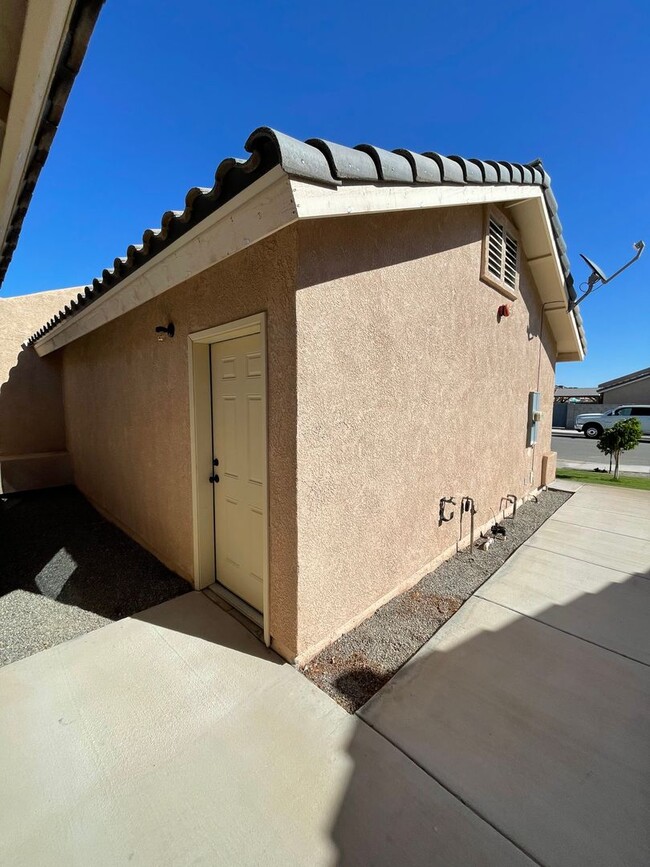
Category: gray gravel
[65,571]
[354,668]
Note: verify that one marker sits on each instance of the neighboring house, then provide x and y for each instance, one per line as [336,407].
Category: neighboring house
[42,45]
[279,385]
[633,388]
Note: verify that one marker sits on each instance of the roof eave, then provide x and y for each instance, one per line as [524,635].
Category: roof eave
[525,204]
[54,42]
[276,200]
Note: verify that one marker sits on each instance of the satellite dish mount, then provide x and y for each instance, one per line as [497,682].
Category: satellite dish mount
[598,277]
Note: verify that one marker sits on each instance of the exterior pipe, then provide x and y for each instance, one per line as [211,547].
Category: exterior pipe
[467,505]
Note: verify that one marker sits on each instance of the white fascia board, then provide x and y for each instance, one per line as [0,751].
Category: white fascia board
[276,201]
[44,31]
[315,200]
[258,211]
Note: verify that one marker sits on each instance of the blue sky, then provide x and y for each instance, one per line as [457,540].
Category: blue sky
[168,89]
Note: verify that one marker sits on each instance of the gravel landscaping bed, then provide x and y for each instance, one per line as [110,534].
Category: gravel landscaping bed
[65,570]
[357,665]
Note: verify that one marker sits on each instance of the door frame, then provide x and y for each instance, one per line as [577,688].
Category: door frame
[203,517]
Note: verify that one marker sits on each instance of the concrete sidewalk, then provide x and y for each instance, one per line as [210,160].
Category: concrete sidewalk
[175,738]
[532,704]
[516,736]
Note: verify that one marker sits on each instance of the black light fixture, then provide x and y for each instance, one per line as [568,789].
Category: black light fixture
[161,330]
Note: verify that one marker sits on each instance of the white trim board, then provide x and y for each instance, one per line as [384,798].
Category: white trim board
[275,201]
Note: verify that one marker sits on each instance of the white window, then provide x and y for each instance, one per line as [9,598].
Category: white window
[500,266]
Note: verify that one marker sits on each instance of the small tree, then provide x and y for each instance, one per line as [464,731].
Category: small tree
[621,437]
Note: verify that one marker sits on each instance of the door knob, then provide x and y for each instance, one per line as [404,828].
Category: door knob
[214,479]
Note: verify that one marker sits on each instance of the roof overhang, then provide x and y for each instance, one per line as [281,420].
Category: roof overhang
[277,200]
[46,55]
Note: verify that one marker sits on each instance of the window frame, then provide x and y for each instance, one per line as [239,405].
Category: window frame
[494,213]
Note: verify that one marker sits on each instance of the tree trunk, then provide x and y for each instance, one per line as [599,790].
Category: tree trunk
[617,455]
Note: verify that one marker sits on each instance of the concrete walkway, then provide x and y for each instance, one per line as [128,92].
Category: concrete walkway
[532,704]
[517,735]
[174,738]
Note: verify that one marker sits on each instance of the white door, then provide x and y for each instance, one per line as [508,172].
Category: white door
[238,438]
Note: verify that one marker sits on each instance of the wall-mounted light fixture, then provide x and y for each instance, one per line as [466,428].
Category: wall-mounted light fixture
[161,330]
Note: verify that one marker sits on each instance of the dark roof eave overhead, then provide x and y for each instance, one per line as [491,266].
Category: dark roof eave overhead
[82,23]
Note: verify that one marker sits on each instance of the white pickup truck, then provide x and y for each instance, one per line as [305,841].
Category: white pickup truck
[592,424]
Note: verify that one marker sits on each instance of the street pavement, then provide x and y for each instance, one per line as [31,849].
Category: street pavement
[574,450]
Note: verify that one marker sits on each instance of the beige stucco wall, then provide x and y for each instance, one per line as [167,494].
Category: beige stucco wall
[635,392]
[128,414]
[408,390]
[390,382]
[31,404]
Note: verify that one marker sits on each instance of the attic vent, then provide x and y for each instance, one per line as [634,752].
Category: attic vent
[500,254]
[510,262]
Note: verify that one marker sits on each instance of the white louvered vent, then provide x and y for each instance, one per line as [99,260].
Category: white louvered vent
[510,262]
[501,255]
[495,249]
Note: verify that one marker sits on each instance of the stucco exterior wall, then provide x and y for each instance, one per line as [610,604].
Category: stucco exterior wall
[635,392]
[128,414]
[31,400]
[409,390]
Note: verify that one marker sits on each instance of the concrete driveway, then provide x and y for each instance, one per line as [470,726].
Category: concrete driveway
[517,735]
[532,704]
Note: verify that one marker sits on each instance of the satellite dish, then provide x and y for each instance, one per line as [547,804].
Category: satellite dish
[598,272]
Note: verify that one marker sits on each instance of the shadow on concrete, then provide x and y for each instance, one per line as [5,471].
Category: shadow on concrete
[541,733]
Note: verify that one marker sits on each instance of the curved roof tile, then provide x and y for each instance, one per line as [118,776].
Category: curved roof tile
[346,164]
[451,172]
[424,169]
[390,165]
[327,163]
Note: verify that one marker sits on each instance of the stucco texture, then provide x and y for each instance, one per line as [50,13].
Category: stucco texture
[390,385]
[128,413]
[31,404]
[409,390]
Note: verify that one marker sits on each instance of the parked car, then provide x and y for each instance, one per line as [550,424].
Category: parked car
[592,424]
